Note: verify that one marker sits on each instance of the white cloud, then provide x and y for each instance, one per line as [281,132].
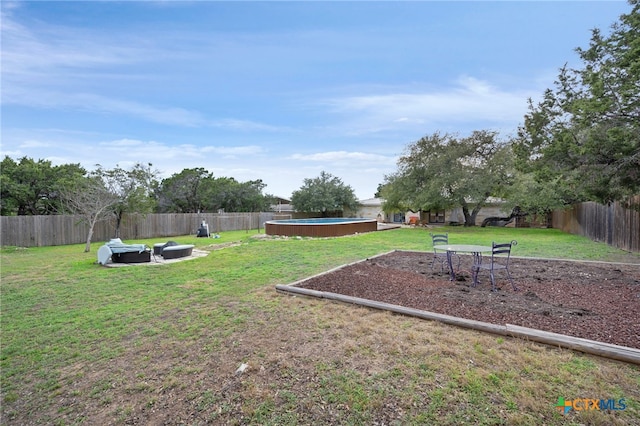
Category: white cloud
[127,143]
[45,53]
[246,125]
[157,152]
[468,102]
[344,156]
[96,103]
[32,143]
[234,150]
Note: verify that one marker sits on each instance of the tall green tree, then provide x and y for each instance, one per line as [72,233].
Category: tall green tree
[253,197]
[531,196]
[583,139]
[30,187]
[325,194]
[184,192]
[197,190]
[443,171]
[234,196]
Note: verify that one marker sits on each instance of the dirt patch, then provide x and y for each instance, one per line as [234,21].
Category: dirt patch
[596,301]
[221,246]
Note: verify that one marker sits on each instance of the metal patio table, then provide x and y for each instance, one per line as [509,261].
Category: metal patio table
[475,250]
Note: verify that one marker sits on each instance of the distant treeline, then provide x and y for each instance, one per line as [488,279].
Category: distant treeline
[30,187]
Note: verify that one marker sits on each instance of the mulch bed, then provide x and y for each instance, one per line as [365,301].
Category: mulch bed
[596,301]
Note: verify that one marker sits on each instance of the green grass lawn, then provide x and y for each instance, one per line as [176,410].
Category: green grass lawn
[86,344]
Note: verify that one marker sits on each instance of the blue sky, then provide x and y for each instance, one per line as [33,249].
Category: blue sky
[277,91]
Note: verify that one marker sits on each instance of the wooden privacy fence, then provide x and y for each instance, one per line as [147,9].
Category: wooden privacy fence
[612,224]
[55,230]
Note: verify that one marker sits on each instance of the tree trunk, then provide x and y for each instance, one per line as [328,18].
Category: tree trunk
[469,217]
[118,222]
[87,246]
[474,213]
[92,223]
[465,212]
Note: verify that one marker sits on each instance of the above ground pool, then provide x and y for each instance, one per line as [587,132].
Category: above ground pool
[320,227]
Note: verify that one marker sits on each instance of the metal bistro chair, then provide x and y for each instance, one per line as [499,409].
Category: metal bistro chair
[498,261]
[441,256]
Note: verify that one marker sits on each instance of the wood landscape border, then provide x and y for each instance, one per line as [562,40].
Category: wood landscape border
[607,350]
